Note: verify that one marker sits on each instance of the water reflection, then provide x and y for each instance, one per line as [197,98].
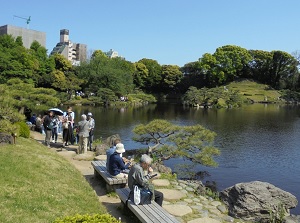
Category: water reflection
[257,142]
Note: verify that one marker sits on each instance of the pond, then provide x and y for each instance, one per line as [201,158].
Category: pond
[257,142]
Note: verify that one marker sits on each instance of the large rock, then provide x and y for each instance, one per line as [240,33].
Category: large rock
[161,168]
[253,201]
[6,139]
[101,149]
[111,139]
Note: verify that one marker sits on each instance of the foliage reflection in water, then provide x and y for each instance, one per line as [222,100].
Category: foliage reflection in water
[257,142]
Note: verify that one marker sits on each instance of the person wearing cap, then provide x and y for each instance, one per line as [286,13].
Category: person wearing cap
[137,176]
[116,163]
[91,126]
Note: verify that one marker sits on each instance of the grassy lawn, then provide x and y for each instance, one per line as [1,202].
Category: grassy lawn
[37,185]
[254,91]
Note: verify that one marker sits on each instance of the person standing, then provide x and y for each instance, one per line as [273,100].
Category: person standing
[48,125]
[91,126]
[55,121]
[68,128]
[83,133]
[138,177]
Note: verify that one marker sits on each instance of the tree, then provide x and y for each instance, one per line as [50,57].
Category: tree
[15,61]
[115,74]
[194,143]
[259,65]
[171,76]
[152,83]
[232,61]
[16,96]
[191,96]
[283,70]
[140,75]
[208,66]
[24,95]
[63,78]
[106,95]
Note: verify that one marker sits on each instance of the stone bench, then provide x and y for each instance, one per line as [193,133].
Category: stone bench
[147,213]
[111,182]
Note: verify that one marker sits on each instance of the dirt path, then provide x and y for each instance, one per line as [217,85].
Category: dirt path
[112,204]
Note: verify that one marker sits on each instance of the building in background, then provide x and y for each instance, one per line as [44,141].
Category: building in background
[112,54]
[28,35]
[74,52]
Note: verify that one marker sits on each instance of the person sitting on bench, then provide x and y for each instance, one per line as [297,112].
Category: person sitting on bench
[117,167]
[137,176]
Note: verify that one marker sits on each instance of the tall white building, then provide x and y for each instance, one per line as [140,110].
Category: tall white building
[74,52]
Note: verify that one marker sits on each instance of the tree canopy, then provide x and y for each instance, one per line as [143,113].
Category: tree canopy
[228,63]
[166,140]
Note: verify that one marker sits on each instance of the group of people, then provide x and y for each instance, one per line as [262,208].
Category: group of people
[82,133]
[138,174]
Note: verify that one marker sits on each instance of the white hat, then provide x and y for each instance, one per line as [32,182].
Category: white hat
[90,114]
[120,148]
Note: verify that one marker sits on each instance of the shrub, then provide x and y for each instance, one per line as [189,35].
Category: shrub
[24,130]
[96,218]
[7,127]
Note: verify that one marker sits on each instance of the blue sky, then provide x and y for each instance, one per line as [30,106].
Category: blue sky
[169,31]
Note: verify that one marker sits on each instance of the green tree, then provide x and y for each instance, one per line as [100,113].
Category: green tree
[194,143]
[15,61]
[231,61]
[283,70]
[191,97]
[115,74]
[171,76]
[24,95]
[16,96]
[140,75]
[106,95]
[208,65]
[152,83]
[259,65]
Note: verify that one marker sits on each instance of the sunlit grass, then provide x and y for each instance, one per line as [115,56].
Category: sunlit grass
[37,185]
[255,91]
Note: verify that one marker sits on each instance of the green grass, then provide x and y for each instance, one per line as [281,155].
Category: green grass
[37,185]
[254,91]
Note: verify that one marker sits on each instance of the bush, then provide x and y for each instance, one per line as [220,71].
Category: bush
[24,130]
[97,218]
[7,127]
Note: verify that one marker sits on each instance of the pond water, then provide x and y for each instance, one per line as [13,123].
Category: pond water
[257,142]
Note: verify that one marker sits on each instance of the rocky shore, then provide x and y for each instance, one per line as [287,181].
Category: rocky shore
[180,198]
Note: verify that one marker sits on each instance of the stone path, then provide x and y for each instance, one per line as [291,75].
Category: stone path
[179,197]
[181,201]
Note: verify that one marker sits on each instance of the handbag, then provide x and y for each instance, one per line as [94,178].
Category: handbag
[141,195]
